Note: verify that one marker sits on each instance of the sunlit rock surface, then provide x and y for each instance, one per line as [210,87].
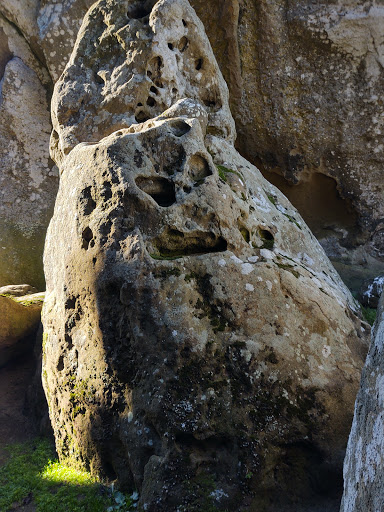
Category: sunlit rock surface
[198,345]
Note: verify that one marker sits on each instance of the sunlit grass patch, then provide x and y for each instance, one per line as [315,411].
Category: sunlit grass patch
[32,474]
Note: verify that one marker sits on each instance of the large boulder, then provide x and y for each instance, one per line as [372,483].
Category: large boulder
[364,461]
[198,344]
[19,320]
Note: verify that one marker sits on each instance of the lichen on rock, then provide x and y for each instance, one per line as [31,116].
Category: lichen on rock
[199,346]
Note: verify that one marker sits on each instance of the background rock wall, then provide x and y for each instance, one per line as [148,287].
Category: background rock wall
[305,83]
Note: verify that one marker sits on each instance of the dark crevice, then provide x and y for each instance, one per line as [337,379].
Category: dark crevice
[198,64]
[141,117]
[151,102]
[267,238]
[138,12]
[160,189]
[86,236]
[173,243]
[179,128]
[183,44]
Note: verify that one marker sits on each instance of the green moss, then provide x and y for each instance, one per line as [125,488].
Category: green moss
[200,489]
[223,171]
[272,199]
[188,278]
[245,234]
[268,244]
[289,268]
[369,314]
[33,475]
[166,257]
[292,219]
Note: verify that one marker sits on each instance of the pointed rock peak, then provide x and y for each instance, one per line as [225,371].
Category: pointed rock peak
[132,61]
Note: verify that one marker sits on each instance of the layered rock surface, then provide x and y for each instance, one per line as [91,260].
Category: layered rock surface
[364,461]
[198,344]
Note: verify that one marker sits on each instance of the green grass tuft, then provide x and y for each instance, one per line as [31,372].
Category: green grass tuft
[369,314]
[31,475]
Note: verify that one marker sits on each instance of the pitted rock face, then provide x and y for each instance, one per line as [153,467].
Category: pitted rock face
[193,324]
[130,63]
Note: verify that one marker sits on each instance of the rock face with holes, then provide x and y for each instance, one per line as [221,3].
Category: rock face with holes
[28,180]
[363,466]
[198,345]
[305,83]
[312,111]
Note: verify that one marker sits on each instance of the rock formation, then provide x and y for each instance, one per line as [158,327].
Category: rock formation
[371,291]
[364,461]
[28,180]
[198,345]
[20,318]
[305,83]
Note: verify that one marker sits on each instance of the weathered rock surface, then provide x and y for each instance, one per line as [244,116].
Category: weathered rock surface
[198,344]
[364,461]
[19,320]
[28,180]
[311,111]
[371,291]
[305,83]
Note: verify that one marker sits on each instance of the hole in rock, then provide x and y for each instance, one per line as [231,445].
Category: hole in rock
[139,105]
[68,340]
[70,303]
[170,46]
[151,102]
[183,44]
[141,117]
[267,238]
[160,189]
[209,103]
[184,23]
[173,243]
[99,80]
[154,90]
[319,202]
[180,128]
[158,83]
[154,67]
[60,364]
[245,233]
[86,236]
[187,189]
[198,64]
[199,168]
[138,11]
[86,201]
